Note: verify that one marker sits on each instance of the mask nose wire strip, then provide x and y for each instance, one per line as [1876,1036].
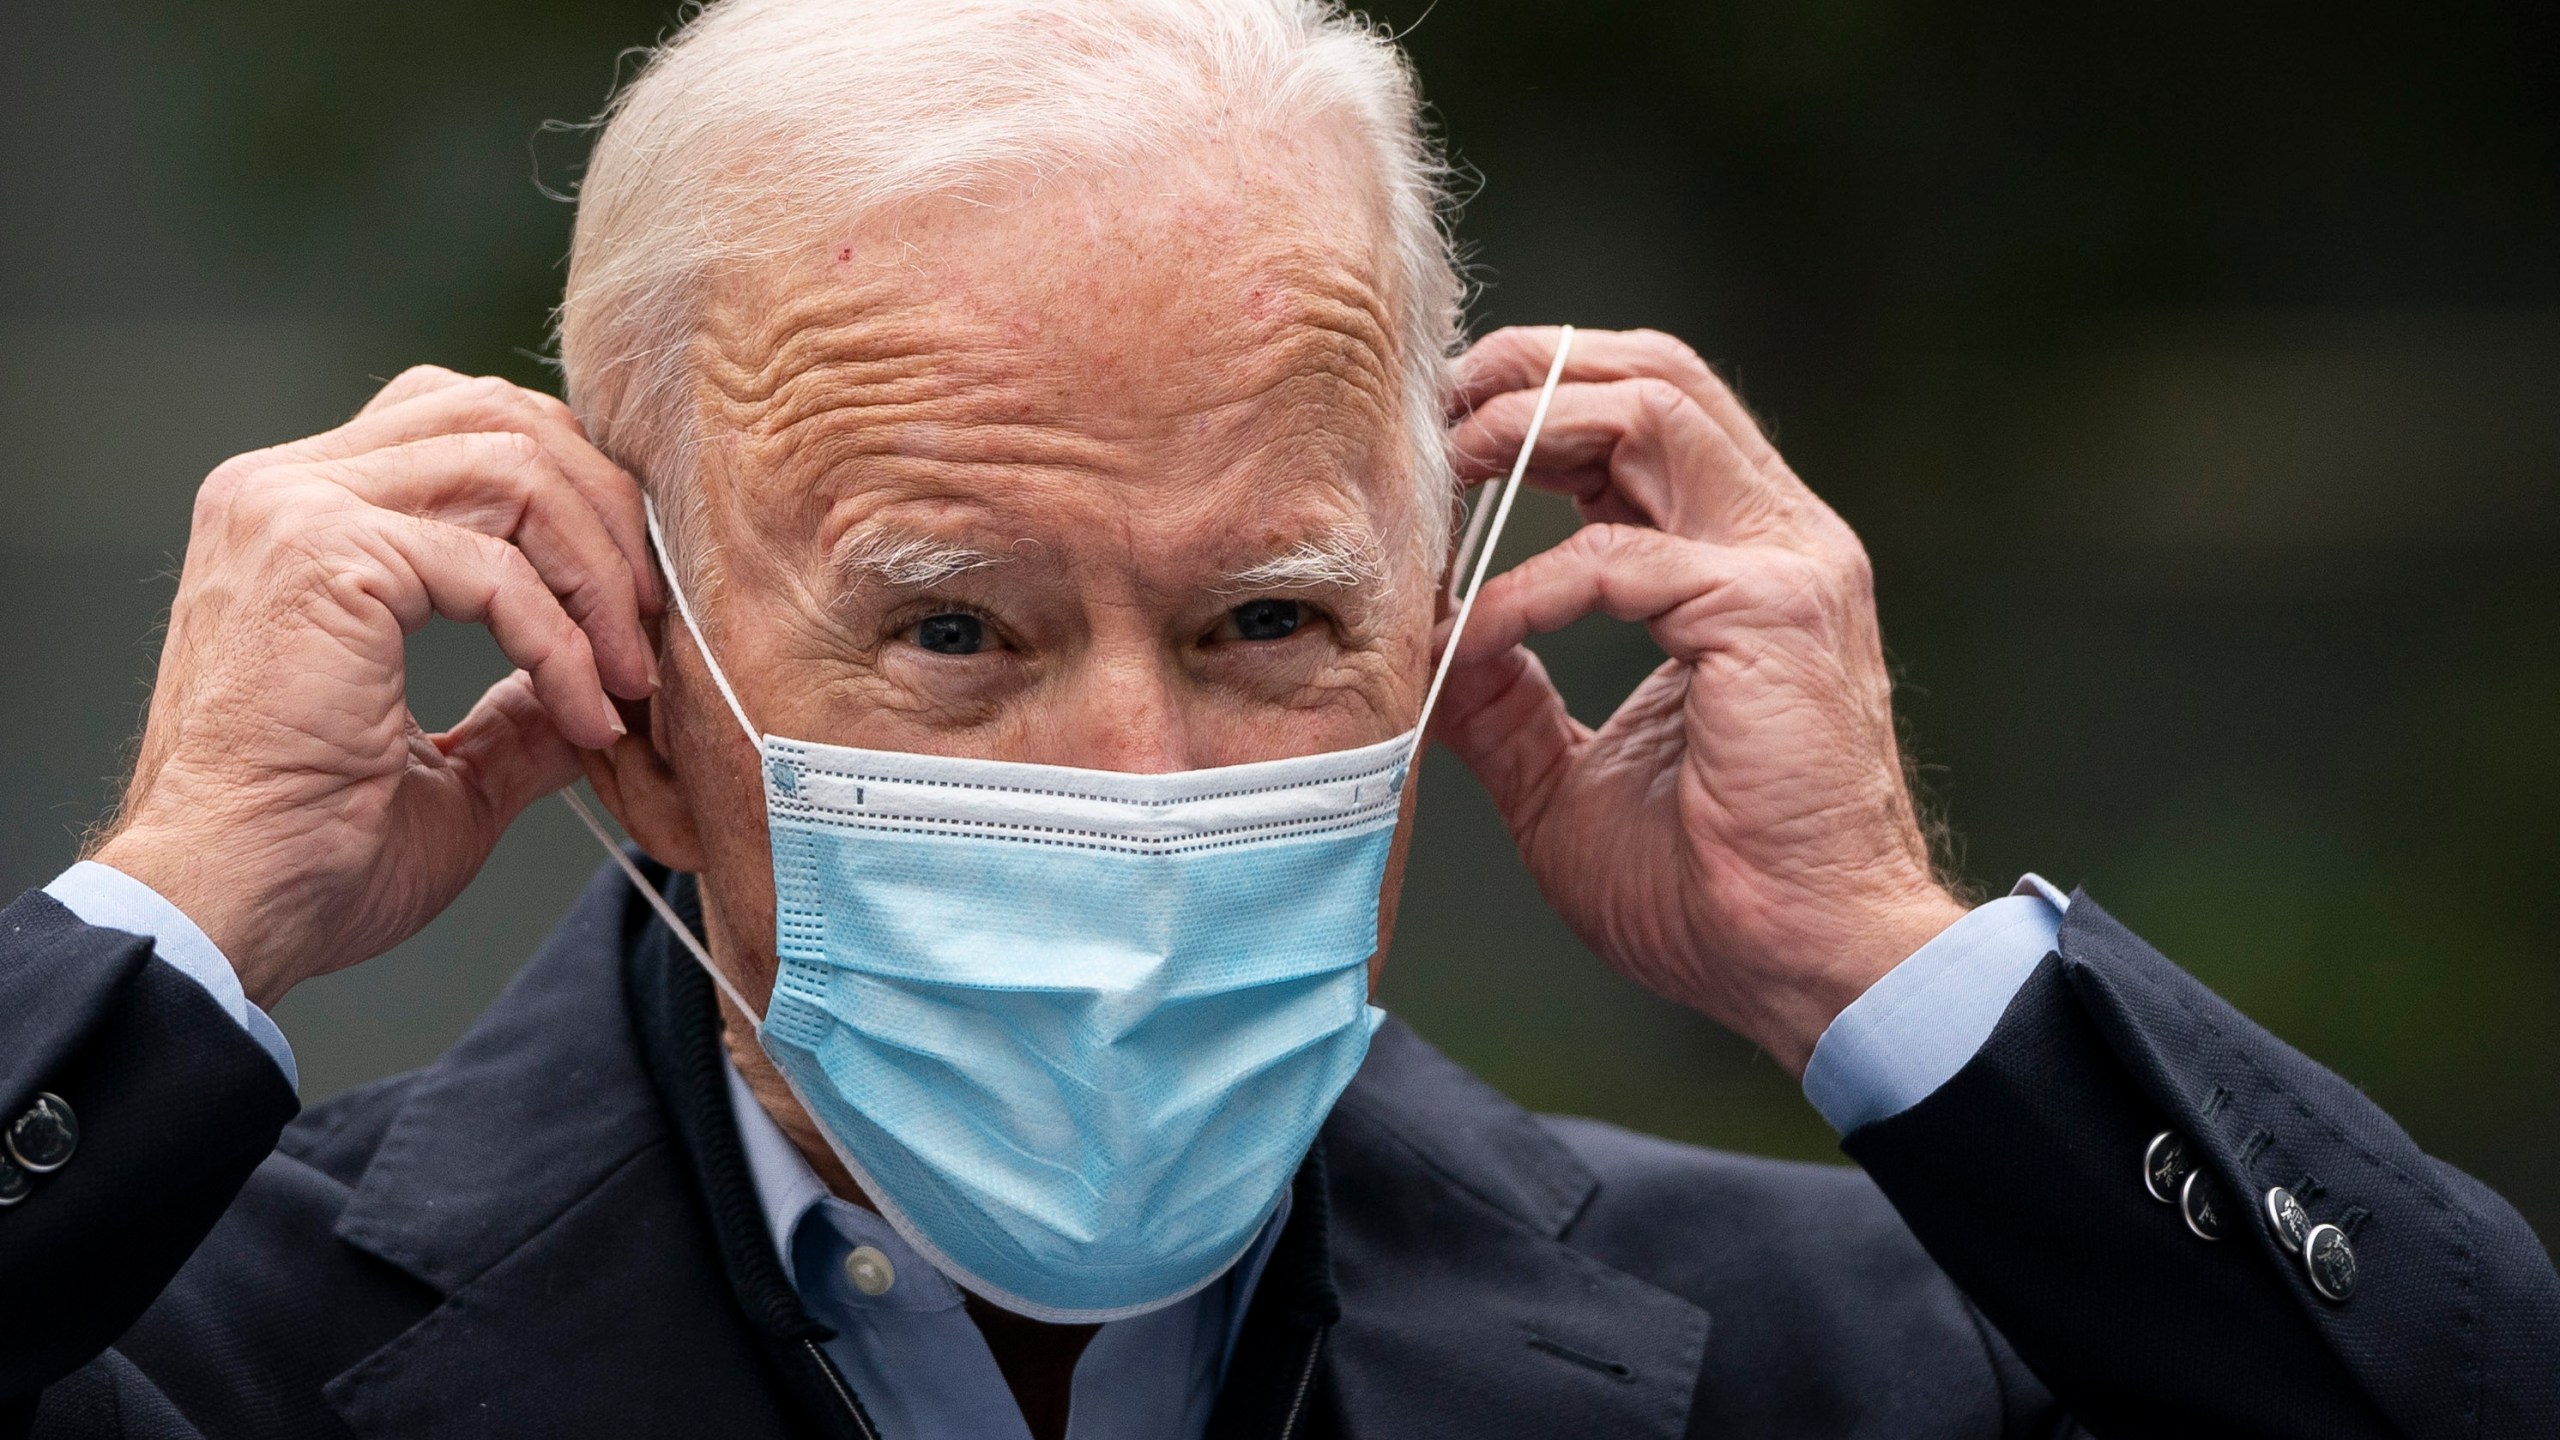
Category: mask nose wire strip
[666,912]
[684,609]
[1483,556]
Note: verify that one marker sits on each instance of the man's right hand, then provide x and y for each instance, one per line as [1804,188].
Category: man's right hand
[285,798]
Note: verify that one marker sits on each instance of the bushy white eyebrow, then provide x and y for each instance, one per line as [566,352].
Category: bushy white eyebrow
[910,561]
[1342,558]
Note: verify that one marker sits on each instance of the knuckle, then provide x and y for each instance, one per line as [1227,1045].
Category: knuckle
[346,577]
[517,572]
[550,407]
[1506,344]
[1666,348]
[1855,569]
[221,488]
[423,377]
[1658,401]
[306,512]
[485,400]
[258,503]
[511,452]
[1604,544]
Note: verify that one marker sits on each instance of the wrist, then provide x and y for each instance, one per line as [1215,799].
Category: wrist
[178,870]
[1843,965]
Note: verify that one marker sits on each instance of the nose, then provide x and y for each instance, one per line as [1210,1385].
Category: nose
[1119,710]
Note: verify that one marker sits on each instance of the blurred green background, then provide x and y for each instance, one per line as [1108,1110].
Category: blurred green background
[2193,372]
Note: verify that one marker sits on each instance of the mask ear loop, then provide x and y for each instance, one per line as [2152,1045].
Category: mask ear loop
[684,611]
[666,912]
[595,823]
[1500,508]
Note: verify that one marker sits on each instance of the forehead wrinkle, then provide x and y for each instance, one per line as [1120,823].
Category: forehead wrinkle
[749,352]
[866,389]
[1321,328]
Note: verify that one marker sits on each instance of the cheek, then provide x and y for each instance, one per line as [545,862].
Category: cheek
[722,783]
[1391,886]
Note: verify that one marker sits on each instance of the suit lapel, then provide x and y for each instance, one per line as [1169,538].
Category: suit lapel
[531,1178]
[1464,1313]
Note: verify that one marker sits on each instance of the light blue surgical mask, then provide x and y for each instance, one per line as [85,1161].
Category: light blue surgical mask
[1072,1031]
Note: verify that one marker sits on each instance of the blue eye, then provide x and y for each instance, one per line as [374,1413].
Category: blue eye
[1268,619]
[952,634]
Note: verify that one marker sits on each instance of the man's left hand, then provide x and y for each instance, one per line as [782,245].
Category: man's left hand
[1739,837]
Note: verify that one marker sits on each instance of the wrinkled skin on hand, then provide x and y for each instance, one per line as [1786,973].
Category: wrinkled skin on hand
[1739,836]
[284,796]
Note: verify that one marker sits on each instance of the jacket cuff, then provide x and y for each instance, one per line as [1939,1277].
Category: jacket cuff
[108,898]
[1915,1028]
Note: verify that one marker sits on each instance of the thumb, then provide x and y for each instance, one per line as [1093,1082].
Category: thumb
[1503,719]
[507,754]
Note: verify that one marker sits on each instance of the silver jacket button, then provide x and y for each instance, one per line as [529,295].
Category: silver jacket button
[2330,1262]
[2166,1166]
[43,1138]
[869,1270]
[15,1182]
[2200,1201]
[2288,1219]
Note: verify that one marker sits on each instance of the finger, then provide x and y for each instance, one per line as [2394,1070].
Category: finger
[1517,358]
[507,753]
[433,568]
[409,384]
[507,486]
[1670,585]
[439,402]
[1634,452]
[1502,718]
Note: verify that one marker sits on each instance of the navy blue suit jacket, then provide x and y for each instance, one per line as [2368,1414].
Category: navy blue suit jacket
[550,1231]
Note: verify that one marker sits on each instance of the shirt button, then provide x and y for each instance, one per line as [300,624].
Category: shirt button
[2288,1219]
[43,1138]
[2330,1262]
[2166,1166]
[2200,1201]
[15,1183]
[870,1271]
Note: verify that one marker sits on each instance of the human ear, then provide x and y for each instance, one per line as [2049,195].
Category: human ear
[635,782]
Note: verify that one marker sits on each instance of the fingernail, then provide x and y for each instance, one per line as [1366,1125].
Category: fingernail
[619,729]
[653,673]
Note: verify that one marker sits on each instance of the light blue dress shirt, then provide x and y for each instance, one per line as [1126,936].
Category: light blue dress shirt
[912,1352]
[919,1362]
[105,896]
[1915,1028]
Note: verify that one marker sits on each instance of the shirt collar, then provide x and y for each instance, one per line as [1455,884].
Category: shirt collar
[787,1188]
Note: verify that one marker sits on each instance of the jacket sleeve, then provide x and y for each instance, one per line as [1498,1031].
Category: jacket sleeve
[175,1105]
[2025,1176]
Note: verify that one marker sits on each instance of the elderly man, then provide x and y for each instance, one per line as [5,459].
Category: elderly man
[1049,414]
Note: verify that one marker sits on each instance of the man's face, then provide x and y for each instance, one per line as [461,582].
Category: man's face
[1116,477]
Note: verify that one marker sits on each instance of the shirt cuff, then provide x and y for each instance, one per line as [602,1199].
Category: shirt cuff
[106,897]
[1915,1028]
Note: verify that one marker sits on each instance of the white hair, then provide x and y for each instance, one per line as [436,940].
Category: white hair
[1342,556]
[760,123]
